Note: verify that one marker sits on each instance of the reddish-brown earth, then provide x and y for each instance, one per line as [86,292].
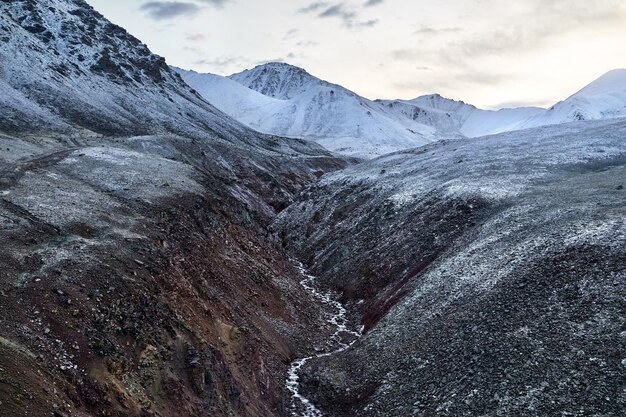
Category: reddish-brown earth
[171,303]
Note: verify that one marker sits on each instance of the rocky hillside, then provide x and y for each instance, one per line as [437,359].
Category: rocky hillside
[490,277]
[137,276]
[63,67]
[149,243]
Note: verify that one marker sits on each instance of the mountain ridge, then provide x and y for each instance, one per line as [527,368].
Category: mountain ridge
[277,80]
[428,118]
[326,113]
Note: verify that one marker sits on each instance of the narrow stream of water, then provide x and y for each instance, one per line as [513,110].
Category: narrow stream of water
[340,340]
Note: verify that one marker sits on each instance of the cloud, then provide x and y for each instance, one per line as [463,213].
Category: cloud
[292,33]
[313,7]
[427,30]
[450,81]
[197,37]
[457,55]
[307,43]
[521,103]
[162,10]
[341,11]
[406,54]
[222,62]
[338,10]
[348,16]
[196,51]
[542,21]
[216,3]
[371,3]
[368,23]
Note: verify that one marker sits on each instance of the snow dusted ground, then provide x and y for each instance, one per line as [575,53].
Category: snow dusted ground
[492,271]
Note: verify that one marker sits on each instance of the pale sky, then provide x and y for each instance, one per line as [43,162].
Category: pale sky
[490,53]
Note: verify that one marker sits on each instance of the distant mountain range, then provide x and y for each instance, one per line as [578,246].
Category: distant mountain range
[282,99]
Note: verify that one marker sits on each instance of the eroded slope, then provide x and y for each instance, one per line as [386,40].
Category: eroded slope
[137,277]
[490,274]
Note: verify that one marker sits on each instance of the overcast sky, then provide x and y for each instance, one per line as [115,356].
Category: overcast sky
[491,53]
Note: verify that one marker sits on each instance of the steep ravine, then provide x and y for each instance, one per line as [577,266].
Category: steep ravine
[341,339]
[133,284]
[492,273]
[146,244]
[137,278]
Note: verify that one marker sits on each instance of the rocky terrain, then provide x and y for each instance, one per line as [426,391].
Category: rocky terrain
[489,273]
[150,251]
[137,274]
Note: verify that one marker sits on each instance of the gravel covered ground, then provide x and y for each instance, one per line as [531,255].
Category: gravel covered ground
[147,241]
[490,273]
[136,273]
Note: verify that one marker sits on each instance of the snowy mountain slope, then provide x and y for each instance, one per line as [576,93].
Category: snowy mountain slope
[278,80]
[62,65]
[451,116]
[489,122]
[605,98]
[302,106]
[234,99]
[64,68]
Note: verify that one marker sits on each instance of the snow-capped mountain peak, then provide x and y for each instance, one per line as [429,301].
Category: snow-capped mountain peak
[438,102]
[604,98]
[285,100]
[277,80]
[610,83]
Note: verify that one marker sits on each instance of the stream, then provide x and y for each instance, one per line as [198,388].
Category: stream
[301,406]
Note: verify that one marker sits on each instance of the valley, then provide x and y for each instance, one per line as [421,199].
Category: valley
[176,244]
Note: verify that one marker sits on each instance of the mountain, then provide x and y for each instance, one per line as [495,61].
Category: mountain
[450,116]
[71,69]
[278,80]
[295,104]
[488,274]
[605,98]
[161,259]
[138,277]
